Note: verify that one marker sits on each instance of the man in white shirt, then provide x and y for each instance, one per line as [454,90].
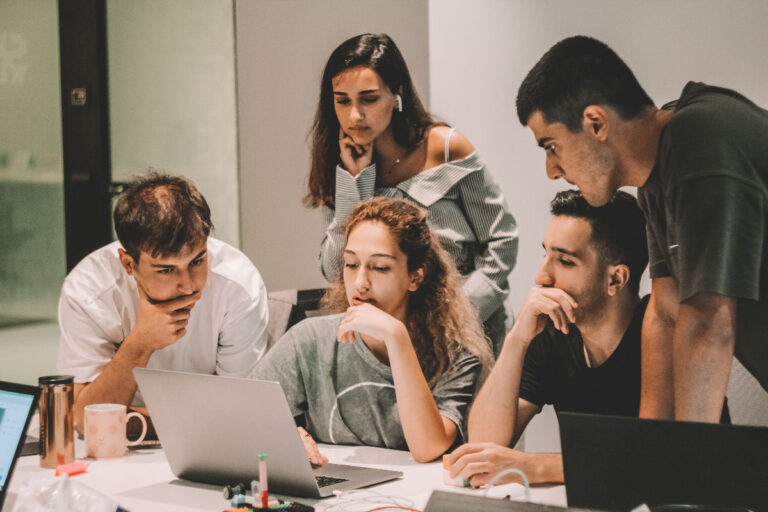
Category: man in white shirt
[164,296]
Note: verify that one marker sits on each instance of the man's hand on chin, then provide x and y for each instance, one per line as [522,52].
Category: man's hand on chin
[161,323]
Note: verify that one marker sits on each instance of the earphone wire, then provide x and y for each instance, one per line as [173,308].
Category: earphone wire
[507,472]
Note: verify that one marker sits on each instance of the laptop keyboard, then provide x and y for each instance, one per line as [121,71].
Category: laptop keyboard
[325,481]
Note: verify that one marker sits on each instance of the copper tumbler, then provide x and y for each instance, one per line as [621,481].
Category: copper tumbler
[57,429]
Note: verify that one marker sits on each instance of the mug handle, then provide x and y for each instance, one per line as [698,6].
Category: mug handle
[143,427]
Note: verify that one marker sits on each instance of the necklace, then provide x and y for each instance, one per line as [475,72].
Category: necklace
[391,170]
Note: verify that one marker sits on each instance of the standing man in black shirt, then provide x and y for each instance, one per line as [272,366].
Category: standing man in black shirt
[575,343]
[701,165]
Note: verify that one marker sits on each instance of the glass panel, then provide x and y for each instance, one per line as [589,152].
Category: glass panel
[32,254]
[172,97]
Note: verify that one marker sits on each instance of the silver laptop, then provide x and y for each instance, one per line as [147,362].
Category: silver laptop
[212,428]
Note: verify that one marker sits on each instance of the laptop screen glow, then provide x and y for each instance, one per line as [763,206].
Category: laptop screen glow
[14,409]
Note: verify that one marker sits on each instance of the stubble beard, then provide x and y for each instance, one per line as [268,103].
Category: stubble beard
[605,177]
[592,305]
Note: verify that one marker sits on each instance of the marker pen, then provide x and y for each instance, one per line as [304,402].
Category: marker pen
[263,480]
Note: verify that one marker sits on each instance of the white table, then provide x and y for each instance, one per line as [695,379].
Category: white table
[142,481]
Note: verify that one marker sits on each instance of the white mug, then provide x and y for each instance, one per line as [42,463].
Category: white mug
[105,426]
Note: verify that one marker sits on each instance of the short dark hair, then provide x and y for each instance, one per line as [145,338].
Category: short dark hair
[161,214]
[618,229]
[577,72]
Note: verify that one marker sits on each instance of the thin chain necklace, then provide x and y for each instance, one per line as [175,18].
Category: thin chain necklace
[391,170]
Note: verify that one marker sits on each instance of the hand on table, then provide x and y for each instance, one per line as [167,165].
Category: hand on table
[479,463]
[310,446]
[355,157]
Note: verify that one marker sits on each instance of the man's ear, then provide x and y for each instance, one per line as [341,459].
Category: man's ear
[127,261]
[417,277]
[618,278]
[595,122]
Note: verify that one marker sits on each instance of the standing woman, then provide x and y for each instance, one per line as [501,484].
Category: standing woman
[372,137]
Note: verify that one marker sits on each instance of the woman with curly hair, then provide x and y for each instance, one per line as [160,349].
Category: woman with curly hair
[373,137]
[397,365]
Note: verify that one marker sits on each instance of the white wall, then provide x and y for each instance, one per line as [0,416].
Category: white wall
[480,53]
[282,46]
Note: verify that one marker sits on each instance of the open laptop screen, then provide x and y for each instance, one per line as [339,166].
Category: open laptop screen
[17,404]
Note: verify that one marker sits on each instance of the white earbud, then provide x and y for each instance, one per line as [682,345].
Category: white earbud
[399,101]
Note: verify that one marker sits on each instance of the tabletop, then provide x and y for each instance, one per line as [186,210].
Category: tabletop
[143,481]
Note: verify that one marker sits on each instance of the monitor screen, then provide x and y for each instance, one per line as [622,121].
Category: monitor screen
[14,410]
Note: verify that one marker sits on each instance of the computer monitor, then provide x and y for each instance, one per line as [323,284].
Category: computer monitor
[617,463]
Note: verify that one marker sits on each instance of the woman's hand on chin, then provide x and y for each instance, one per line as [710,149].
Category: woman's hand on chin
[355,157]
[370,321]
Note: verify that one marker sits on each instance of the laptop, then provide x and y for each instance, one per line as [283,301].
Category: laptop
[212,428]
[17,405]
[617,463]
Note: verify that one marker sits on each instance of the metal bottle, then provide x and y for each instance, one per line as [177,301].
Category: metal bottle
[57,429]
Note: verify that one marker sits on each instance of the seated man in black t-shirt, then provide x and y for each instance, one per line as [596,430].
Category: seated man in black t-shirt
[575,343]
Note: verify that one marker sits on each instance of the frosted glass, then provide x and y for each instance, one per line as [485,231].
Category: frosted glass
[172,97]
[32,254]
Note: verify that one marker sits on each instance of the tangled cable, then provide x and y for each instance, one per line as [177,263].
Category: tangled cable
[360,499]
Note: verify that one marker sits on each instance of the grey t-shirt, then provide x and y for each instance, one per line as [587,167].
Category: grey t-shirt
[706,203]
[345,393]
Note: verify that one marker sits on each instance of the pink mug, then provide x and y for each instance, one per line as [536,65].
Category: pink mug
[105,435]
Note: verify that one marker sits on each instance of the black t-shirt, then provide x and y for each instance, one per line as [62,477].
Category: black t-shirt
[555,372]
[706,206]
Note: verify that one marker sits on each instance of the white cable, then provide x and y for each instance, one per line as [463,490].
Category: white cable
[362,499]
[507,472]
[336,402]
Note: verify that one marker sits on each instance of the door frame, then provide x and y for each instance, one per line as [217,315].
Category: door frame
[85,126]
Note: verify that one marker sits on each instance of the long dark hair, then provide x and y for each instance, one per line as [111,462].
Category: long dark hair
[409,127]
[440,319]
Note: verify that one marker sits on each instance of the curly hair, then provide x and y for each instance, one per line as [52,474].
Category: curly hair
[440,319]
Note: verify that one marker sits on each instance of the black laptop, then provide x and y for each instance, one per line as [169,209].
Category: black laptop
[17,405]
[617,463]
[442,501]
